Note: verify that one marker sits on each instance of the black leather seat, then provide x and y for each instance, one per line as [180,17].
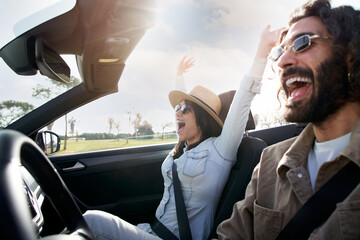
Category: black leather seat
[248,156]
[277,134]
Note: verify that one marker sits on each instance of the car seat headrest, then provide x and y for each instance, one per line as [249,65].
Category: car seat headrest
[226,100]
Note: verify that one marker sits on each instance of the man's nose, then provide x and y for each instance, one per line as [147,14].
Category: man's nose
[287,59]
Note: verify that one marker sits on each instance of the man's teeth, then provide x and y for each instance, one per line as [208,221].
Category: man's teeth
[297,79]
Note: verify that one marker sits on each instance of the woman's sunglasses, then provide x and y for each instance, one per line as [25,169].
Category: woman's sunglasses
[299,45]
[184,108]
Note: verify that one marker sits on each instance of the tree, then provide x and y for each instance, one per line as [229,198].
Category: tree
[136,123]
[117,126]
[11,110]
[271,119]
[42,92]
[127,135]
[72,122]
[111,124]
[163,129]
[65,136]
[145,129]
[279,120]
[256,118]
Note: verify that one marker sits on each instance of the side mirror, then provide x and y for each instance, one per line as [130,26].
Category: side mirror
[50,63]
[48,141]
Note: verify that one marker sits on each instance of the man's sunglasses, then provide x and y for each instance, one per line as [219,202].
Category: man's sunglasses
[299,45]
[184,108]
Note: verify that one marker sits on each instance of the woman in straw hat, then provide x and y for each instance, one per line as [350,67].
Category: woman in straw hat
[204,155]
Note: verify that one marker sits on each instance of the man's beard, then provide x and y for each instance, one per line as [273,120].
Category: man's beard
[329,93]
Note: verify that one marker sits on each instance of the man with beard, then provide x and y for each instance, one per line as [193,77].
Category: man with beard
[318,65]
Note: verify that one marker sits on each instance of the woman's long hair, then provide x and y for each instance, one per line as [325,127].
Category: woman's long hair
[207,124]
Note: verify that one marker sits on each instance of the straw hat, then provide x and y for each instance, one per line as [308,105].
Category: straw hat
[203,97]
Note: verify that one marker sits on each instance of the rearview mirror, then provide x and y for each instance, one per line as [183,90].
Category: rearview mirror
[50,62]
[48,141]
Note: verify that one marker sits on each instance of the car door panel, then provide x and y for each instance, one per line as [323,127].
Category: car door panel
[125,182]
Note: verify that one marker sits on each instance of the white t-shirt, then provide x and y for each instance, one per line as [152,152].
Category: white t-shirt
[324,152]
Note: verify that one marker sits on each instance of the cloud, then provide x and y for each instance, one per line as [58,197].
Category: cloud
[159,118]
[166,28]
[213,64]
[173,3]
[146,70]
[248,14]
[218,69]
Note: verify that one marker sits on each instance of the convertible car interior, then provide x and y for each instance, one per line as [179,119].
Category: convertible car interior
[41,194]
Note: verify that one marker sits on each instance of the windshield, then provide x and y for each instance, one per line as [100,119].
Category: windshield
[22,94]
[25,94]
[222,36]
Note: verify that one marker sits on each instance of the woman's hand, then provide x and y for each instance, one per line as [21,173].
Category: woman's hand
[184,65]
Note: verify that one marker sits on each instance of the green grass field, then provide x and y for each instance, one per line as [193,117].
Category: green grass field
[74,146]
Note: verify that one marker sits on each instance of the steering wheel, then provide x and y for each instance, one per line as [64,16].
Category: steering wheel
[17,149]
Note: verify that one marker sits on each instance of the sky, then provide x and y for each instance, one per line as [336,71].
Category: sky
[221,35]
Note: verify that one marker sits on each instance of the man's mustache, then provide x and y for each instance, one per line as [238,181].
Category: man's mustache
[304,72]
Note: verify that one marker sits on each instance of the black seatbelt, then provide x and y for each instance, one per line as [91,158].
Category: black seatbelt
[183,221]
[320,206]
[162,231]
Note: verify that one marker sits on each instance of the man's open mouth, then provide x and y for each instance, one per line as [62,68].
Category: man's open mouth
[298,87]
